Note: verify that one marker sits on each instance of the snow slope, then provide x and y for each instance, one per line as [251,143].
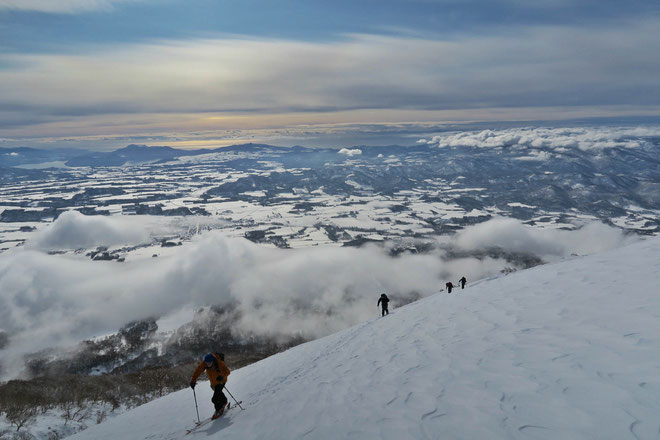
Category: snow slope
[563,351]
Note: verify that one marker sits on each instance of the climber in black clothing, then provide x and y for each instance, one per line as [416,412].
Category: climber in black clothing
[382,301]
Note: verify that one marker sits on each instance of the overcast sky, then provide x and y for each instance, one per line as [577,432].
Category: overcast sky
[209,72]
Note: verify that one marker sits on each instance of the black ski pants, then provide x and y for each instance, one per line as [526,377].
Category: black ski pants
[219,399]
[385,311]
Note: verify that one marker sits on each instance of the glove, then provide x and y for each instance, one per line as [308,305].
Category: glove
[192,384]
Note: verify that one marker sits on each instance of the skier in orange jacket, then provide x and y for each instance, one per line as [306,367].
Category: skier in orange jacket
[217,372]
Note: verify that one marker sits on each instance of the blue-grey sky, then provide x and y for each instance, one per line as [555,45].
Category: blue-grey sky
[209,72]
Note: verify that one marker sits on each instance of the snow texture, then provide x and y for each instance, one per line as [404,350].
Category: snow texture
[562,351]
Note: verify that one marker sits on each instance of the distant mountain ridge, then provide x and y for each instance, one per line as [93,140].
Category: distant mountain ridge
[617,185]
[133,153]
[14,157]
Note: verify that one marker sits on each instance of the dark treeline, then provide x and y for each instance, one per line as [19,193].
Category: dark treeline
[83,399]
[78,398]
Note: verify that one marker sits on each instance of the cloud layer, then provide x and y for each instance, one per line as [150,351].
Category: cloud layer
[538,67]
[549,244]
[48,300]
[555,139]
[350,152]
[54,300]
[73,230]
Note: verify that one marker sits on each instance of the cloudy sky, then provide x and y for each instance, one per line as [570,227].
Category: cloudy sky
[104,73]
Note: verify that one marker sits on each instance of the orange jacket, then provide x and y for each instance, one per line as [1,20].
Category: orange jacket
[217,375]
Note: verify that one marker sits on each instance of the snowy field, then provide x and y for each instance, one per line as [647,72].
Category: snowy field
[568,350]
[297,197]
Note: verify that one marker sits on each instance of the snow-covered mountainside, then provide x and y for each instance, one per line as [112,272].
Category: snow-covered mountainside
[562,351]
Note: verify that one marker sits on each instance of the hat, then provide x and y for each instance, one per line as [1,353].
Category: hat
[209,358]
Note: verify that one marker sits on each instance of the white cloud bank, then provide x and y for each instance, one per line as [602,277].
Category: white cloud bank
[550,244]
[53,300]
[555,139]
[350,152]
[73,230]
[48,300]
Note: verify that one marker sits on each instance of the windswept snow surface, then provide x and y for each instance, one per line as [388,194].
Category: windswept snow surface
[563,351]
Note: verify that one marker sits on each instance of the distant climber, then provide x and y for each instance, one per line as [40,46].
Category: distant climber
[382,301]
[449,286]
[217,372]
[462,281]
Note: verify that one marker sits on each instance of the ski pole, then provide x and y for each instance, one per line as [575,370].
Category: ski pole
[232,396]
[196,408]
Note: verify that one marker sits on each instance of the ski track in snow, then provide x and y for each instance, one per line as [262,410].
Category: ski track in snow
[561,351]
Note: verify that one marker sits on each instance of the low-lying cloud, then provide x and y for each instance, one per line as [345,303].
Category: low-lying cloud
[550,244]
[58,300]
[553,139]
[350,152]
[73,230]
[52,300]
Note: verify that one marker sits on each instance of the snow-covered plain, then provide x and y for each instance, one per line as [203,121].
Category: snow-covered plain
[569,350]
